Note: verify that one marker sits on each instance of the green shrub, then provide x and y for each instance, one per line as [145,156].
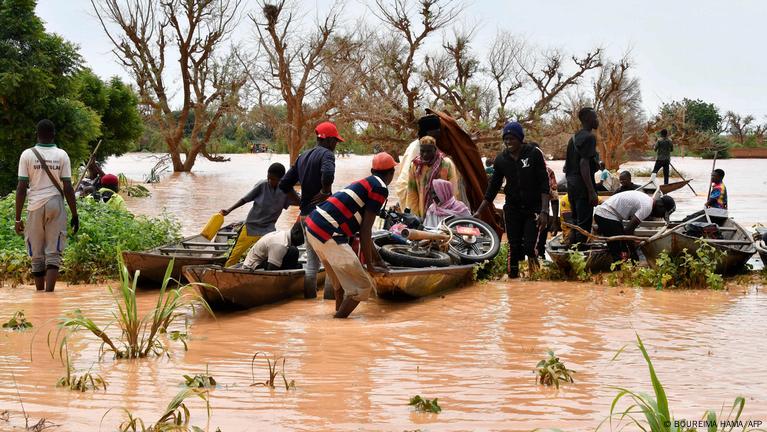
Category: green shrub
[425,405]
[495,268]
[550,371]
[90,255]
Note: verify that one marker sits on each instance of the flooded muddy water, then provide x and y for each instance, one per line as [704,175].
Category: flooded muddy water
[473,348]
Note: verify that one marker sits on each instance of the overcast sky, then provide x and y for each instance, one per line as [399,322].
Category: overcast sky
[705,49]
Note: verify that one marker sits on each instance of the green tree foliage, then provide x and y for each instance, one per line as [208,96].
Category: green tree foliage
[41,76]
[703,115]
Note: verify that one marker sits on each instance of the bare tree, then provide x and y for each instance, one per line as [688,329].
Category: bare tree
[505,69]
[739,127]
[618,102]
[299,68]
[387,100]
[148,35]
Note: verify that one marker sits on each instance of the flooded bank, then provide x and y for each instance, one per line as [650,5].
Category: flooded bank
[474,348]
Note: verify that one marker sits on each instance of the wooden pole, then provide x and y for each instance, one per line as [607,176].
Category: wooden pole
[683,179]
[90,161]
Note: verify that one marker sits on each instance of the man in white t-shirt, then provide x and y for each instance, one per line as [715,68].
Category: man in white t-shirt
[46,230]
[277,250]
[631,206]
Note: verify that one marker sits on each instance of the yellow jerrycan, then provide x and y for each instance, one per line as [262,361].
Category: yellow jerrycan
[213,225]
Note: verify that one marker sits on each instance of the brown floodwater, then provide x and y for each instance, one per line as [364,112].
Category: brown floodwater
[474,348]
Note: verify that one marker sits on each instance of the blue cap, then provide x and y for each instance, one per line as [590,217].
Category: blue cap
[514,128]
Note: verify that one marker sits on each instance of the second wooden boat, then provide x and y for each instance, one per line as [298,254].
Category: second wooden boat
[597,257]
[193,250]
[736,244]
[408,283]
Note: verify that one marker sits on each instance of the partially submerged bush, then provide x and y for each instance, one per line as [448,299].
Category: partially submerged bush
[551,371]
[17,322]
[689,270]
[425,405]
[90,254]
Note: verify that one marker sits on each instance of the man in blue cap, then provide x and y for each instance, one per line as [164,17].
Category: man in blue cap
[527,195]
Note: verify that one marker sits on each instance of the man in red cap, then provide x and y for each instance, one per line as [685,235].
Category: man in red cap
[315,169]
[110,186]
[333,223]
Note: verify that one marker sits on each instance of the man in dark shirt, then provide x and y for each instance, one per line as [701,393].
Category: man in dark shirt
[580,165]
[527,195]
[315,169]
[663,149]
[626,183]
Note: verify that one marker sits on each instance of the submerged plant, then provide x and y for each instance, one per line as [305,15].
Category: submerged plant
[132,189]
[18,322]
[200,380]
[178,336]
[139,335]
[271,365]
[578,269]
[175,418]
[551,371]
[425,405]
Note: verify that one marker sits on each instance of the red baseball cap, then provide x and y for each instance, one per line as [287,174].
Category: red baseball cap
[383,161]
[110,180]
[327,130]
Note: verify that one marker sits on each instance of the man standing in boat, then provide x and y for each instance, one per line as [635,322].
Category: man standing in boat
[634,207]
[580,165]
[527,195]
[663,149]
[349,212]
[315,169]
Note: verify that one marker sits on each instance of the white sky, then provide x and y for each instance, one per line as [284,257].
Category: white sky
[705,49]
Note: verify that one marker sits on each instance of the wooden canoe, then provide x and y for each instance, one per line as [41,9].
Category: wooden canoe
[736,245]
[650,189]
[193,250]
[598,258]
[409,283]
[237,288]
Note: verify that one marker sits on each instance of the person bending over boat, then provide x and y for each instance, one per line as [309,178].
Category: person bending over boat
[527,195]
[626,183]
[631,206]
[277,250]
[349,212]
[444,204]
[315,169]
[268,202]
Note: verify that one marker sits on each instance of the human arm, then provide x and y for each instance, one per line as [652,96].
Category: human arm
[327,170]
[249,197]
[542,180]
[374,262]
[69,195]
[632,225]
[713,197]
[21,196]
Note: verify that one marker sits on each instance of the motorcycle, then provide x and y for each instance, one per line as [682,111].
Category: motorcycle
[406,242]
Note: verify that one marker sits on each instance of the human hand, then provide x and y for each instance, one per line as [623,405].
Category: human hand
[319,198]
[378,267]
[75,223]
[224,212]
[19,227]
[543,221]
[594,199]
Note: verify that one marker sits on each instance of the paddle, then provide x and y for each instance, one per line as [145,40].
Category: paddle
[683,179]
[90,161]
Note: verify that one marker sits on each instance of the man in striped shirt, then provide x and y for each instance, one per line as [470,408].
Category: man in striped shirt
[349,212]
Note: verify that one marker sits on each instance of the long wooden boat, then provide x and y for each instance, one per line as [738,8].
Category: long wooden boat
[193,250]
[597,257]
[650,189]
[407,283]
[736,243]
[237,288]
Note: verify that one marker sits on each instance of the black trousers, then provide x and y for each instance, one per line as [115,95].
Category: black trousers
[581,207]
[522,233]
[608,228]
[665,164]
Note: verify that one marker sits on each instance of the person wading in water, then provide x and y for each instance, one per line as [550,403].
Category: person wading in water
[580,165]
[527,195]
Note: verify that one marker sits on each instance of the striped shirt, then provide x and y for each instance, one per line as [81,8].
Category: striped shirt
[340,216]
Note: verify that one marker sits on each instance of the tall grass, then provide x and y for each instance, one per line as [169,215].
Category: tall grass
[652,412]
[176,416]
[139,335]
